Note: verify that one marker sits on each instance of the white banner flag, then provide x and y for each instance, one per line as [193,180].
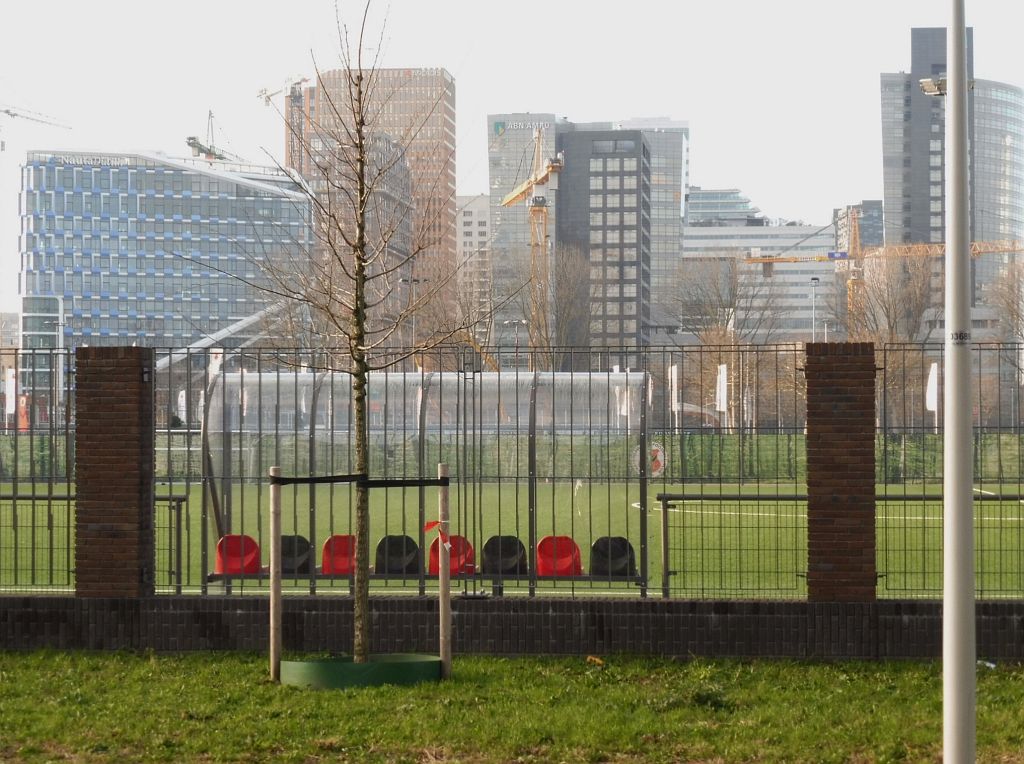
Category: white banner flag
[931,390]
[673,387]
[722,389]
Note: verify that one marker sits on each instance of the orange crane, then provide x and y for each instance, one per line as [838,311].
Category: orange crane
[854,258]
[533,190]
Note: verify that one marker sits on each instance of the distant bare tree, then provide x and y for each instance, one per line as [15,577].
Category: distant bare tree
[891,302]
[558,318]
[1007,296]
[722,299]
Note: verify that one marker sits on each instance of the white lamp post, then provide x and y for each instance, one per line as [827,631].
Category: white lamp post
[814,291]
[958,628]
[516,322]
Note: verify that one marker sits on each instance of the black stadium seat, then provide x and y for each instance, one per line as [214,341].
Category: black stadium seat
[504,555]
[397,554]
[612,556]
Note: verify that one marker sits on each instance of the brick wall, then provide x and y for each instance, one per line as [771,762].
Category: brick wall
[114,467]
[840,472]
[885,629]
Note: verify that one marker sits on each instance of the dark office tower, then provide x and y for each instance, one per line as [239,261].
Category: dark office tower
[604,214]
[913,151]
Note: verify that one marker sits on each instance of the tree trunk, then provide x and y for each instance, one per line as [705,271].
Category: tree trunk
[361,614]
[360,376]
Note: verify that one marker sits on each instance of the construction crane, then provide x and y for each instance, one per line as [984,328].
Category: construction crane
[31,116]
[852,261]
[208,150]
[294,118]
[289,84]
[533,190]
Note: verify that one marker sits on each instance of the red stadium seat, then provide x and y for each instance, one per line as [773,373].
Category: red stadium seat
[463,559]
[339,557]
[237,554]
[558,556]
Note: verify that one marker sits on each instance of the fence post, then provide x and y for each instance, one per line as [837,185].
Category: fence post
[841,533]
[275,576]
[114,467]
[444,594]
[643,462]
[665,572]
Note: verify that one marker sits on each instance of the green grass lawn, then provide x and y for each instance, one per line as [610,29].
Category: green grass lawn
[222,707]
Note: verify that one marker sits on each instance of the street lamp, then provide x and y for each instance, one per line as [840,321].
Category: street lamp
[814,291]
[959,650]
[516,322]
[412,303]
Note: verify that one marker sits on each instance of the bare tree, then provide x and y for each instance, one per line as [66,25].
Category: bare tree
[892,300]
[724,300]
[1007,296]
[364,285]
[558,317]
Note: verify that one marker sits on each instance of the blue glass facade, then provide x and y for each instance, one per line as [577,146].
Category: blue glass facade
[121,249]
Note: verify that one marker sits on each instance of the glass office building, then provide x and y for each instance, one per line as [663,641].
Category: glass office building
[123,249]
[913,149]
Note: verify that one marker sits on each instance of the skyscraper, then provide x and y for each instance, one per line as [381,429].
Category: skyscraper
[510,162]
[473,248]
[120,249]
[913,152]
[414,108]
[669,143]
[510,149]
[605,214]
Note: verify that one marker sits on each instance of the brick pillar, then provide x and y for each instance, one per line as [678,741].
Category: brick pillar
[840,471]
[114,472]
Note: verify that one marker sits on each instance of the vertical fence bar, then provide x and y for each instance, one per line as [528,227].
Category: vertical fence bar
[444,590]
[532,485]
[644,461]
[177,545]
[275,576]
[665,573]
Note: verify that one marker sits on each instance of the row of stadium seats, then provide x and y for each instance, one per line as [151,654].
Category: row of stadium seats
[557,556]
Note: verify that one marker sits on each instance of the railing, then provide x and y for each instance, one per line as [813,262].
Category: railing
[37,473]
[533,454]
[733,545]
[909,469]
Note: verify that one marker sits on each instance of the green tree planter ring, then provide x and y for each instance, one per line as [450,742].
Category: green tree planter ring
[341,672]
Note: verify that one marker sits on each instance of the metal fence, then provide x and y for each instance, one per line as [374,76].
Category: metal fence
[555,473]
[36,472]
[550,490]
[909,510]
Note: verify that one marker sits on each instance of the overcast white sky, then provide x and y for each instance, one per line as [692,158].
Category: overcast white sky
[782,97]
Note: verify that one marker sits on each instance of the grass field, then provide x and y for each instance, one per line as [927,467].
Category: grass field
[751,546]
[221,707]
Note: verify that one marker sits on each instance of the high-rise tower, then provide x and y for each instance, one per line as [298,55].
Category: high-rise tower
[415,109]
[913,151]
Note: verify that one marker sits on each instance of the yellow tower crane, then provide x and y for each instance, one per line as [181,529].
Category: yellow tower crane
[853,260]
[533,190]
